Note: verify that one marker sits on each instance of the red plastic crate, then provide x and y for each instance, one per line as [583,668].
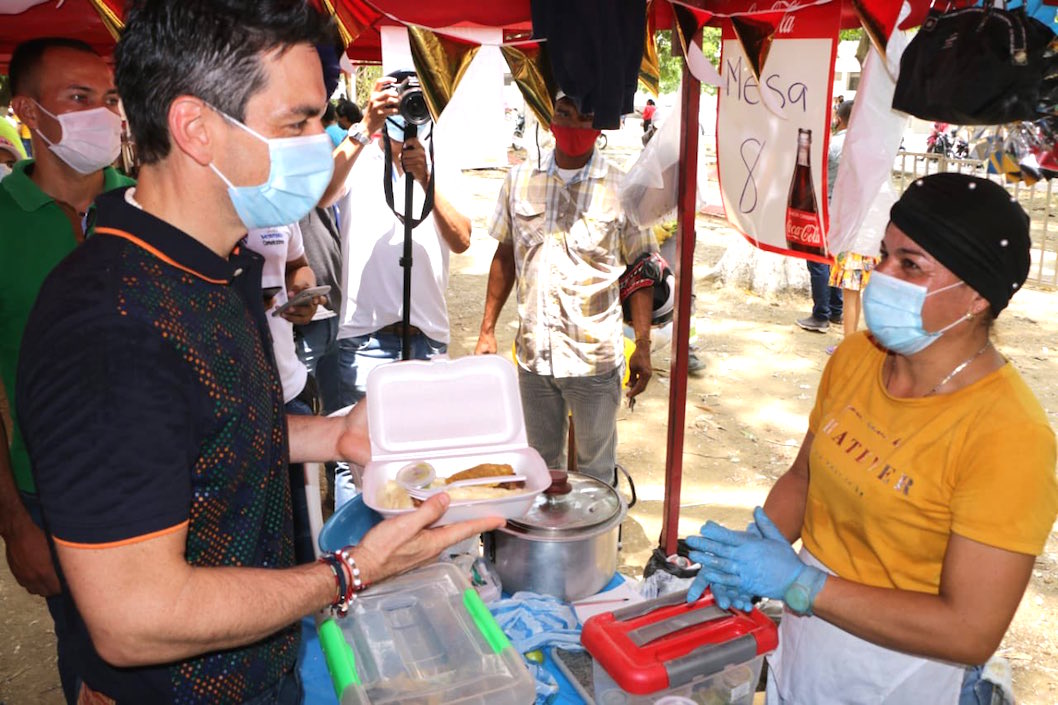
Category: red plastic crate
[665,643]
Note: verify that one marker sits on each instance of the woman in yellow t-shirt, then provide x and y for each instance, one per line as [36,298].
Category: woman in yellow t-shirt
[925,485]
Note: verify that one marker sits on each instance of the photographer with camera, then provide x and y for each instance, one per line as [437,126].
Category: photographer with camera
[372,231]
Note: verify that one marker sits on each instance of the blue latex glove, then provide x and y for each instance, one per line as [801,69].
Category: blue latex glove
[764,566]
[725,597]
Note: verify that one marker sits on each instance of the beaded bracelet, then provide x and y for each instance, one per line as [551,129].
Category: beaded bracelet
[340,605]
[356,582]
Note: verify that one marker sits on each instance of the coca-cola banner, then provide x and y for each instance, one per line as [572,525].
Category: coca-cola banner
[772,132]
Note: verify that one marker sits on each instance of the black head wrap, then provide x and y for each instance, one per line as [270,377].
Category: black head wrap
[973,227]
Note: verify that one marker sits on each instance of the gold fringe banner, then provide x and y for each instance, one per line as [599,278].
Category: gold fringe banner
[531,72]
[440,61]
[111,13]
[650,67]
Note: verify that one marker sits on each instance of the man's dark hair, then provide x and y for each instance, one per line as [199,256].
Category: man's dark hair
[25,60]
[328,113]
[844,110]
[210,49]
[350,111]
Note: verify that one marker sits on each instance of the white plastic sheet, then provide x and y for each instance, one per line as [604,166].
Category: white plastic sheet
[649,190]
[859,207]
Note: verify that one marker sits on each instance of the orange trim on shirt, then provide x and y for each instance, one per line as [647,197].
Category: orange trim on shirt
[122,542]
[157,253]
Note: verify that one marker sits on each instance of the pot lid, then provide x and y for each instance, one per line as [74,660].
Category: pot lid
[588,504]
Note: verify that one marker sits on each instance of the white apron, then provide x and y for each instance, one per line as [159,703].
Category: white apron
[817,663]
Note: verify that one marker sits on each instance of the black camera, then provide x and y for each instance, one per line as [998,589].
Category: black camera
[413,106]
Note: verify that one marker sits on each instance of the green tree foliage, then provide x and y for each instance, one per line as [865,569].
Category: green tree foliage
[5,90]
[365,82]
[672,66]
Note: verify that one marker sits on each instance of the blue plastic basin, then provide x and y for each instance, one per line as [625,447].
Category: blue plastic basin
[347,525]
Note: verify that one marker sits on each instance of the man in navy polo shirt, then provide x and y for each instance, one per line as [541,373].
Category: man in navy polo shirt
[147,392]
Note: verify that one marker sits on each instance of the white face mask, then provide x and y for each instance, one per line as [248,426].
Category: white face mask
[5,170]
[91,139]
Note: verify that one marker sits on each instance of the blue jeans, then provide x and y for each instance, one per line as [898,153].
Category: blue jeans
[547,403]
[826,299]
[317,347]
[359,355]
[67,675]
[978,691]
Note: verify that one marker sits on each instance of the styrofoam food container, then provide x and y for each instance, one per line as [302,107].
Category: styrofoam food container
[453,414]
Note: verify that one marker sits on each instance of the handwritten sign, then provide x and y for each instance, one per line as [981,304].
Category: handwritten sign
[760,123]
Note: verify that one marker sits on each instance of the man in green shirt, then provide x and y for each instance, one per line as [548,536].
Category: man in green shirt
[65,94]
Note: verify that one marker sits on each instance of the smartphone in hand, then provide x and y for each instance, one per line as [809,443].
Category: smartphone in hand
[302,297]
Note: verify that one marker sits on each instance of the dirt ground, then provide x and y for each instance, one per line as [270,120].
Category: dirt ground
[745,416]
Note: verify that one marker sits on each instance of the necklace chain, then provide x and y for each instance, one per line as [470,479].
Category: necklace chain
[956,370]
[960,367]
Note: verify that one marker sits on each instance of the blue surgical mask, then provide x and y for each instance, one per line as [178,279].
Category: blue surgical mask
[892,309]
[395,129]
[300,171]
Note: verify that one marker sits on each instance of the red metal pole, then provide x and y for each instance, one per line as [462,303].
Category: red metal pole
[684,269]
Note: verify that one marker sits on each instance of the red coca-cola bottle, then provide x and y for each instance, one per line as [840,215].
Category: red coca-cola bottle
[804,228]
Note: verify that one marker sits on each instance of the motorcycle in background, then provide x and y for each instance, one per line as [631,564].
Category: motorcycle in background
[946,141]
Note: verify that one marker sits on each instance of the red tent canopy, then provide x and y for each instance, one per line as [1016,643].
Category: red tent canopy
[78,18]
[75,18]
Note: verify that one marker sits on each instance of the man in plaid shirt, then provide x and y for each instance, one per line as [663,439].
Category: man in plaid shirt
[561,236]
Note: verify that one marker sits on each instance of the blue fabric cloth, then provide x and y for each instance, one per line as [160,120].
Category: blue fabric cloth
[534,622]
[317,687]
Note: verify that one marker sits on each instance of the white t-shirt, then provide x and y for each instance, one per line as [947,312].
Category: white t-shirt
[372,245]
[279,246]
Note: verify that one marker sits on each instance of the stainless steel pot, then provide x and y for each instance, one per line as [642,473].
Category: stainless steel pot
[566,545]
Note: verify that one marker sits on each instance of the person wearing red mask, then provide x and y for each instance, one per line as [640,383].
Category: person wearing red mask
[563,240]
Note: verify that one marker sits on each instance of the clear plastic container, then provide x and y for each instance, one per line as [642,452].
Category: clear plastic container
[425,637]
[454,414]
[734,685]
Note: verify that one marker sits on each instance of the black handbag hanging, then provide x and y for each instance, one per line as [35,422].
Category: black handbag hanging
[976,66]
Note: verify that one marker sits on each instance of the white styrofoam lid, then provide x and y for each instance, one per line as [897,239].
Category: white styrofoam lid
[440,405]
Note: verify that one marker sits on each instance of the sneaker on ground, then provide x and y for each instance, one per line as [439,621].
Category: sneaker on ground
[695,365]
[813,324]
[836,320]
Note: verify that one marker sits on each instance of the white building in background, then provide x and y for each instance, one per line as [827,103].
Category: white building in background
[846,70]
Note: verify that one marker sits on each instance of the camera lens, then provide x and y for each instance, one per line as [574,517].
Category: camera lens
[413,107]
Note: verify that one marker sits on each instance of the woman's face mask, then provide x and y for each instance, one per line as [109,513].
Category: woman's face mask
[299,172]
[892,309]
